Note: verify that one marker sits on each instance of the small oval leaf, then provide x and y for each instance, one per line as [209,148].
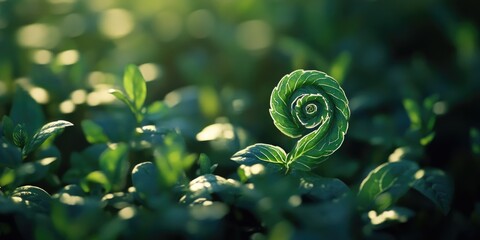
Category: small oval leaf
[93,132]
[113,162]
[259,153]
[145,179]
[45,132]
[33,197]
[135,86]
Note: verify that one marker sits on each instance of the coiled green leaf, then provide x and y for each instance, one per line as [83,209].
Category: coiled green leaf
[312,106]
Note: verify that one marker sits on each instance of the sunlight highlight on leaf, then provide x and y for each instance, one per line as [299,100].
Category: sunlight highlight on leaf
[216,131]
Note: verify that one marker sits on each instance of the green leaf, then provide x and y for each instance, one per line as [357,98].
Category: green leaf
[94,179]
[157,110]
[135,86]
[414,113]
[93,132]
[31,172]
[7,176]
[427,139]
[10,155]
[430,116]
[25,110]
[172,159]
[20,136]
[341,65]
[121,96]
[145,179]
[435,185]
[311,105]
[260,152]
[386,184]
[7,128]
[113,162]
[475,141]
[33,197]
[324,189]
[206,166]
[45,132]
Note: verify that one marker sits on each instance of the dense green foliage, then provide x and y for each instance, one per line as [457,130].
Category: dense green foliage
[120,119]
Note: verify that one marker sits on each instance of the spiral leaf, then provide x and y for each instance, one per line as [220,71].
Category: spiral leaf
[307,104]
[311,105]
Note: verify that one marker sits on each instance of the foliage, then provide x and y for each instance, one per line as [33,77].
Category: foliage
[120,119]
[310,104]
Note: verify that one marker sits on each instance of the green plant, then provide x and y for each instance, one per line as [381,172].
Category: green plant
[136,92]
[27,153]
[306,104]
[312,105]
[142,185]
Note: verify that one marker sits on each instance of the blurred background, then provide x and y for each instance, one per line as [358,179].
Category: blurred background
[214,63]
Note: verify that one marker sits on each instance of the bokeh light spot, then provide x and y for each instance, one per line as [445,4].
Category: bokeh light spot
[419,174]
[150,71]
[68,57]
[127,213]
[99,97]
[67,107]
[78,96]
[71,200]
[39,94]
[396,155]
[116,23]
[42,56]
[38,35]
[216,131]
[440,108]
[254,35]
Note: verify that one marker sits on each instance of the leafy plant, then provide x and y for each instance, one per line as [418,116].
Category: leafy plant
[135,91]
[26,153]
[306,104]
[144,181]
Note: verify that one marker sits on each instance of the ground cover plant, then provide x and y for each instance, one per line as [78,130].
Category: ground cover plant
[239,120]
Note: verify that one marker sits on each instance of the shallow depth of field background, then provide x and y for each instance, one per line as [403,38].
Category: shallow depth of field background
[215,63]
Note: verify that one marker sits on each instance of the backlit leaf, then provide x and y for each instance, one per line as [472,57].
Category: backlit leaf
[94,179]
[93,132]
[260,152]
[45,132]
[113,162]
[135,86]
[386,183]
